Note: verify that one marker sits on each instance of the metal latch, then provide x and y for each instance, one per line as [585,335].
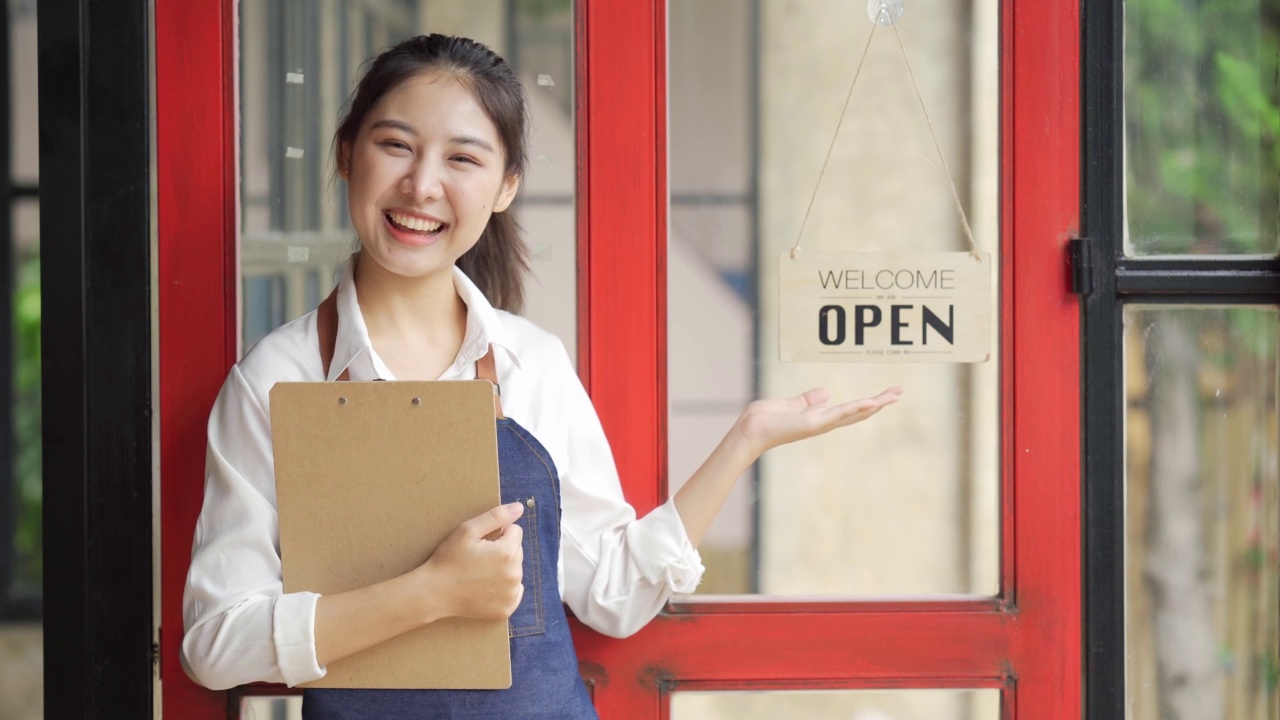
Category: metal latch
[1080,258]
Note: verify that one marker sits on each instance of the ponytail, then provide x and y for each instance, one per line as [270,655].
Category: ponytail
[498,263]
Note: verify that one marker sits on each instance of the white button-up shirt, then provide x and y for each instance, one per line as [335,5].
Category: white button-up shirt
[615,571]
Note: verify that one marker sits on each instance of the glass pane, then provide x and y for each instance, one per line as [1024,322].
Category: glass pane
[1202,513]
[852,704]
[22,671]
[1202,120]
[298,63]
[907,504]
[25,581]
[266,707]
[21,497]
[26,568]
[21,587]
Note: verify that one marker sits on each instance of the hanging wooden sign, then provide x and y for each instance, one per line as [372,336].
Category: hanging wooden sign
[885,307]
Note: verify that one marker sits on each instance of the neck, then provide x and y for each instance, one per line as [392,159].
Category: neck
[399,309]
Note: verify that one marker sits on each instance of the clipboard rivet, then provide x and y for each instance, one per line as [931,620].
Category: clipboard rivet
[342,401]
[417,401]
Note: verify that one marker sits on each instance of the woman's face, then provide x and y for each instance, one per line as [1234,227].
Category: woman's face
[424,174]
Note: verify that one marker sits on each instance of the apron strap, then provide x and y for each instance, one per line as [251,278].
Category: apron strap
[487,370]
[327,333]
[327,330]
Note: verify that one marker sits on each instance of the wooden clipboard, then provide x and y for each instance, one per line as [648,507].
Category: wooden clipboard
[370,478]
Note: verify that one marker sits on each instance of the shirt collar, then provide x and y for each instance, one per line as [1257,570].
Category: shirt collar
[353,349]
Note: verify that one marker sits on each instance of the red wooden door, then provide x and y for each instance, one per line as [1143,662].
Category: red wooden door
[1024,642]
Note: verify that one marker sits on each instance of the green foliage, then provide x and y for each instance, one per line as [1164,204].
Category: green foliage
[1202,125]
[27,464]
[1269,669]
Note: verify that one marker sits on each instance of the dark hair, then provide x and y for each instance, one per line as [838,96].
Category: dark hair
[498,262]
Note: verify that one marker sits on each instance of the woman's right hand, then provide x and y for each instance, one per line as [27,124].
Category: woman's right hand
[477,571]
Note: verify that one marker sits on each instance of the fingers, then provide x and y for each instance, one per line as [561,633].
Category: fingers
[815,397]
[820,395]
[895,392]
[493,522]
[859,410]
[478,570]
[512,535]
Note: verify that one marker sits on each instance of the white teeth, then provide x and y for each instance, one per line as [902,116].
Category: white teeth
[414,223]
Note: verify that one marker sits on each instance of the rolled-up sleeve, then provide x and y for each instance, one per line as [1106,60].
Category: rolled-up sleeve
[618,570]
[240,627]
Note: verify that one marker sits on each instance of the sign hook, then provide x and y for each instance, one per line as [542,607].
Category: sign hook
[885,12]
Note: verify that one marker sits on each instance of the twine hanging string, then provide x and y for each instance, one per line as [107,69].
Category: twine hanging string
[795,249]
[955,193]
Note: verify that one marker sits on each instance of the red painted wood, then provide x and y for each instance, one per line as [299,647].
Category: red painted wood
[195,165]
[1028,640]
[1043,446]
[624,198]
[622,205]
[760,649]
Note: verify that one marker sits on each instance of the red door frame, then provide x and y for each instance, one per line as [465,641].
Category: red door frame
[1026,641]
[197,253]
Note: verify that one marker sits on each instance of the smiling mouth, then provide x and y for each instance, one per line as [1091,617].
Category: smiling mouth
[419,226]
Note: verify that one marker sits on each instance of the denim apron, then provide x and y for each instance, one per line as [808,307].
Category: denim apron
[544,667]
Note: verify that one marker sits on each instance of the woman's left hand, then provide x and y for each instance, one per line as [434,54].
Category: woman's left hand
[767,424]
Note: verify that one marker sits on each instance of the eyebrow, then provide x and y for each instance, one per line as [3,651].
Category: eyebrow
[394,125]
[472,140]
[407,128]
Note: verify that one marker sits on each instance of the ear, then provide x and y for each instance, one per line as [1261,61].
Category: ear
[510,184]
[344,160]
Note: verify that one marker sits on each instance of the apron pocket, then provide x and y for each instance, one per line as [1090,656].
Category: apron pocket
[529,618]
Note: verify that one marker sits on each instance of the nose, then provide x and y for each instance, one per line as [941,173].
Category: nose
[423,181]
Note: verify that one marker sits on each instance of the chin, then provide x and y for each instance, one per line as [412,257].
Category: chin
[408,262]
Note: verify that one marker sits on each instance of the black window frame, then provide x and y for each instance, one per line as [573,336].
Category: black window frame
[1108,280]
[95,99]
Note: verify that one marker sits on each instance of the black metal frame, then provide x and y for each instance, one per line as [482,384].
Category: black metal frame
[95,104]
[1107,280]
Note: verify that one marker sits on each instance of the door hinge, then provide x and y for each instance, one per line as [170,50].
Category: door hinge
[1080,258]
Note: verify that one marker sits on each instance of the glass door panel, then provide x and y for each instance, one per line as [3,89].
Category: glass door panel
[853,704]
[908,503]
[1202,116]
[267,707]
[1202,507]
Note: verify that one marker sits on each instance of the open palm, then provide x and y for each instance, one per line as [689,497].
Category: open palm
[769,423]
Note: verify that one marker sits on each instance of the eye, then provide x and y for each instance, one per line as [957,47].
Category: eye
[465,159]
[393,145]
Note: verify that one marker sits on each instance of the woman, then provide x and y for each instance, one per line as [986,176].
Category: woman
[433,149]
